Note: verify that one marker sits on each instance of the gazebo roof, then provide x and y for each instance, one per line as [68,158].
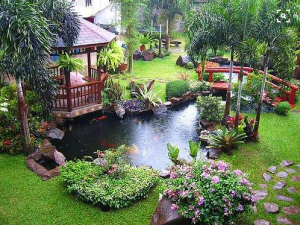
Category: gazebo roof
[90,35]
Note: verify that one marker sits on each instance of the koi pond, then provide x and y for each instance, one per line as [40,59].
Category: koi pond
[146,135]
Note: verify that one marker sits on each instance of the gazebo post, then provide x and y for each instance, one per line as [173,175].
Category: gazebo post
[68,88]
[89,62]
[99,76]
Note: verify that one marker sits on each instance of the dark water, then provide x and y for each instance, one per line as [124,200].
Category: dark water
[147,135]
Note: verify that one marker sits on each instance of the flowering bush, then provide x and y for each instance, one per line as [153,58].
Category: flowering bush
[133,105]
[208,192]
[198,86]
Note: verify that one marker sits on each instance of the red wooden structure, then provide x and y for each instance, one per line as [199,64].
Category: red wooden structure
[72,97]
[291,93]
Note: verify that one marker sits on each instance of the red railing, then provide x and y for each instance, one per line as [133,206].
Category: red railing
[291,93]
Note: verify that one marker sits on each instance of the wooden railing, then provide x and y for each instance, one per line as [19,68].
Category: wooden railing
[79,95]
[56,71]
[291,93]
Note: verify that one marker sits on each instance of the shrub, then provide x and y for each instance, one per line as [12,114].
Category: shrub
[210,108]
[133,105]
[216,77]
[167,53]
[189,65]
[176,88]
[208,192]
[198,86]
[161,55]
[282,108]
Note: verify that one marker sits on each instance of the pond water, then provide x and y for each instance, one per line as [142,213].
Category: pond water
[147,135]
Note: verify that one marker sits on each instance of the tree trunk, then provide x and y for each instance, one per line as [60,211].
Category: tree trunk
[130,62]
[261,96]
[24,120]
[238,105]
[167,37]
[203,59]
[228,95]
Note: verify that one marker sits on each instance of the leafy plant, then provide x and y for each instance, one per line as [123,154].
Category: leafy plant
[189,65]
[148,95]
[173,153]
[198,86]
[161,55]
[225,140]
[194,149]
[113,90]
[282,108]
[148,41]
[216,77]
[111,56]
[133,105]
[210,108]
[70,63]
[176,88]
[208,192]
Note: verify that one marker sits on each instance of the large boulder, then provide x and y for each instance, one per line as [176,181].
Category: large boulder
[149,55]
[119,110]
[55,133]
[165,216]
[162,108]
[137,54]
[183,60]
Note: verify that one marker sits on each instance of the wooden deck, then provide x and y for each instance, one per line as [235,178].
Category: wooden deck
[77,112]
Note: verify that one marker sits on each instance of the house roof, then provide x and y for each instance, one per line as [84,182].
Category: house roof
[90,35]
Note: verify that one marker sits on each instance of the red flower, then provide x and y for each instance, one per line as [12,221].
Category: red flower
[7,142]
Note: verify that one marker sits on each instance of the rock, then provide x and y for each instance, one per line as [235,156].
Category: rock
[272,169]
[149,55]
[137,54]
[55,133]
[291,170]
[286,163]
[214,153]
[296,178]
[119,110]
[175,100]
[261,222]
[292,210]
[205,124]
[259,194]
[100,161]
[165,216]
[162,108]
[254,208]
[59,158]
[282,174]
[279,185]
[164,173]
[46,142]
[168,104]
[298,165]
[292,190]
[271,207]
[211,128]
[183,60]
[284,220]
[187,95]
[284,198]
[263,185]
[267,177]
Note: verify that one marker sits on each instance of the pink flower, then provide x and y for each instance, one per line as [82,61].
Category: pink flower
[172,175]
[191,207]
[244,181]
[237,172]
[197,212]
[233,193]
[204,174]
[240,207]
[200,200]
[215,179]
[194,220]
[174,207]
[212,190]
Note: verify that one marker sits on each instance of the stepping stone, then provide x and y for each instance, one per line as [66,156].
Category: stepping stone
[286,163]
[298,165]
[267,177]
[282,174]
[271,207]
[280,184]
[291,171]
[284,198]
[254,208]
[296,178]
[259,194]
[292,210]
[261,222]
[284,220]
[292,190]
[272,169]
[263,185]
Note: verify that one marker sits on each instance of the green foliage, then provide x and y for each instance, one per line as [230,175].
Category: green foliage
[113,90]
[282,108]
[148,95]
[194,149]
[176,88]
[111,56]
[225,140]
[198,86]
[167,53]
[189,65]
[210,108]
[202,192]
[216,77]
[70,63]
[173,152]
[148,41]
[161,55]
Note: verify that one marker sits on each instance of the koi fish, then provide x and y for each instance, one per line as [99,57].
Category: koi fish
[100,118]
[104,143]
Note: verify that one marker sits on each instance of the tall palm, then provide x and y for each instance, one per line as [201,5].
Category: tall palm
[26,36]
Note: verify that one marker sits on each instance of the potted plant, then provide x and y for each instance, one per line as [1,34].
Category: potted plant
[69,63]
[145,41]
[123,66]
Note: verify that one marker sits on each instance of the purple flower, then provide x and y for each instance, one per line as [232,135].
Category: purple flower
[233,193]
[197,212]
[222,166]
[172,175]
[192,184]
[240,207]
[200,200]
[215,179]
[244,181]
[204,174]
[226,211]
[237,172]
[174,207]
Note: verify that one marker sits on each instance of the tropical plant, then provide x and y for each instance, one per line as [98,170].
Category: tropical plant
[176,88]
[183,76]
[173,152]
[282,108]
[189,65]
[210,108]
[225,140]
[113,90]
[111,56]
[194,149]
[148,41]
[208,192]
[70,63]
[148,95]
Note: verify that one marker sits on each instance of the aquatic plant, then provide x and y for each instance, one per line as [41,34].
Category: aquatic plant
[173,153]
[194,149]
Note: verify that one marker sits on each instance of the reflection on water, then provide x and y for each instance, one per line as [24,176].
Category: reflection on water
[146,135]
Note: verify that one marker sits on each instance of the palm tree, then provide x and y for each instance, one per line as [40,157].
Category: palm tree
[25,37]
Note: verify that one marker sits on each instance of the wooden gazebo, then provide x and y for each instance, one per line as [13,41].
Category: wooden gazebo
[80,98]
